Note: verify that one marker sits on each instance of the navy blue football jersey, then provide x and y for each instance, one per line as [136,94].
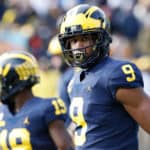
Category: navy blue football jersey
[63,94]
[28,129]
[102,123]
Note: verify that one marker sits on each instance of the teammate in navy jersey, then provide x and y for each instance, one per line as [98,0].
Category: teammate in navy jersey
[107,97]
[66,73]
[28,122]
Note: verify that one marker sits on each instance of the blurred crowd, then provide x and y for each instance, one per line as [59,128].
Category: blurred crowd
[31,25]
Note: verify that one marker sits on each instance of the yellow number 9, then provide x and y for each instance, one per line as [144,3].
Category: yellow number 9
[78,118]
[128,70]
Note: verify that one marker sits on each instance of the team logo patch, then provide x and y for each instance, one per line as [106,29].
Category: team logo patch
[26,121]
[89,88]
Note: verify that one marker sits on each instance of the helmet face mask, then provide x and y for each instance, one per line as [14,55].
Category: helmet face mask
[75,57]
[18,70]
[84,20]
[81,59]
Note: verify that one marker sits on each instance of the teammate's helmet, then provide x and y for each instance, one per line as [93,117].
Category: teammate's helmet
[85,20]
[18,70]
[54,47]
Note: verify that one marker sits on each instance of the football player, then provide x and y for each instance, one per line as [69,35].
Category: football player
[107,97]
[54,49]
[28,122]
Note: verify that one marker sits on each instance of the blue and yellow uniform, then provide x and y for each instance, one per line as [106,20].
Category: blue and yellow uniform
[28,129]
[63,94]
[65,79]
[102,123]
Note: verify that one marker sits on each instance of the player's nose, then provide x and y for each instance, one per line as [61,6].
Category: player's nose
[79,44]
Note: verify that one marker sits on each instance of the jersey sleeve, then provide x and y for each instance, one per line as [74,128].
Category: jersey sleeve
[55,110]
[125,75]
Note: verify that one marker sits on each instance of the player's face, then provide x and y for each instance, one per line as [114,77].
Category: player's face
[79,42]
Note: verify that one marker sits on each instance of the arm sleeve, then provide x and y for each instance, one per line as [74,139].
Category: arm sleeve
[125,75]
[50,113]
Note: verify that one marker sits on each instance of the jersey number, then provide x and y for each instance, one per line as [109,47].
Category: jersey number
[60,107]
[128,70]
[17,139]
[76,113]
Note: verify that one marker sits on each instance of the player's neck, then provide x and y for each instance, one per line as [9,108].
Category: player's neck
[22,98]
